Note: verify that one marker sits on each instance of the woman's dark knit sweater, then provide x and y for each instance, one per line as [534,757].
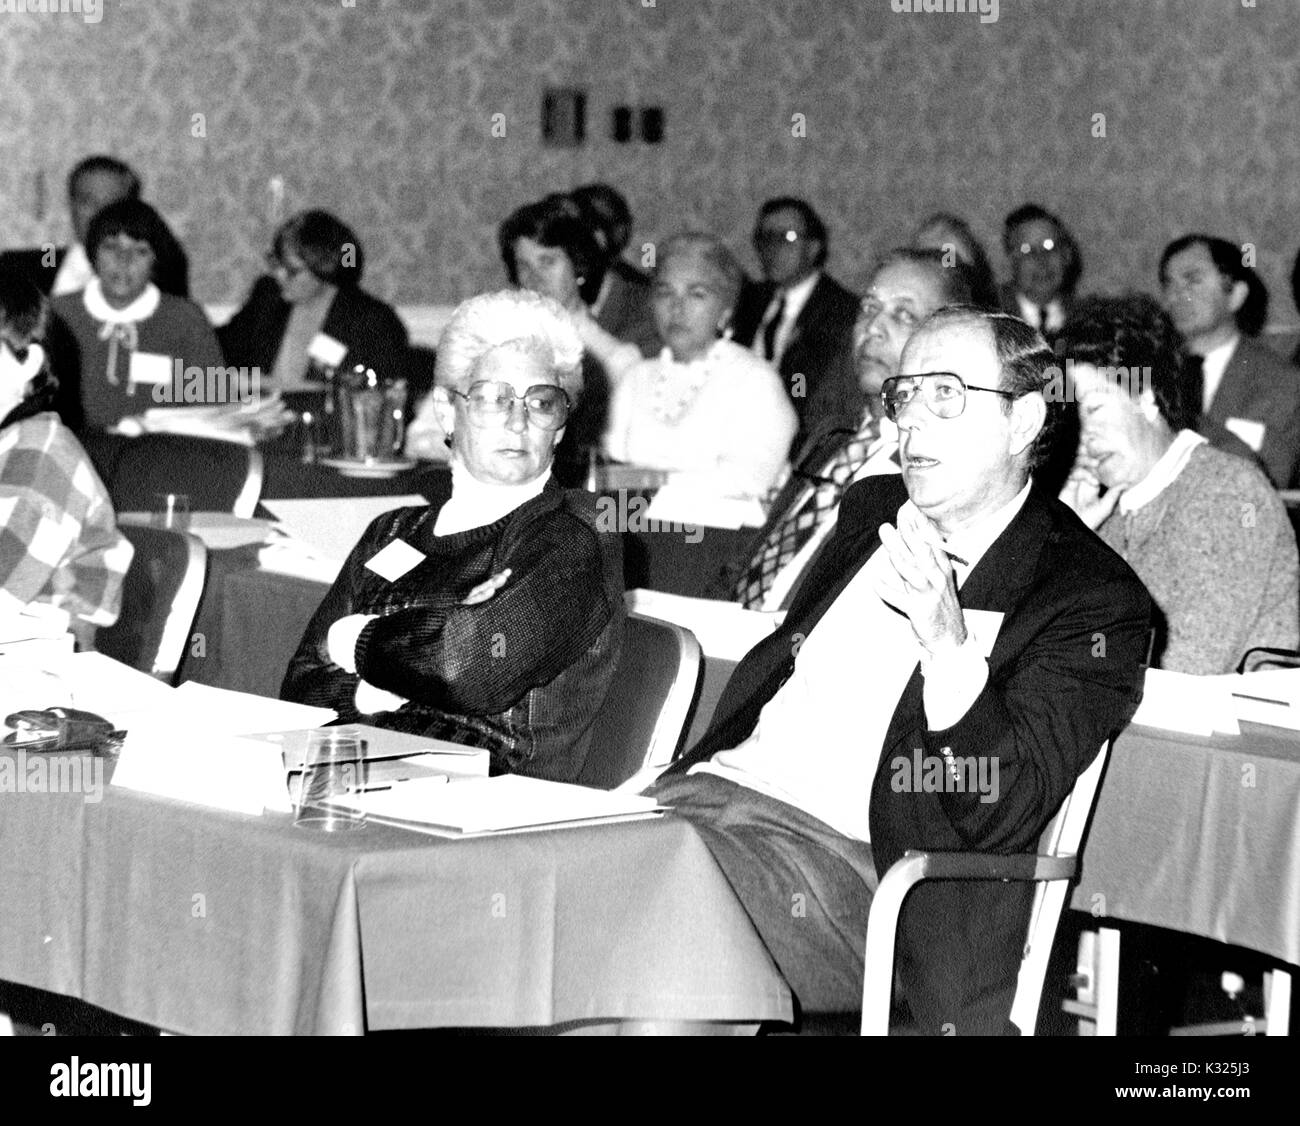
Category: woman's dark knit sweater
[522,674]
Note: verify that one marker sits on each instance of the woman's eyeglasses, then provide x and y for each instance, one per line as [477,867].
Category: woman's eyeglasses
[944,392]
[546,405]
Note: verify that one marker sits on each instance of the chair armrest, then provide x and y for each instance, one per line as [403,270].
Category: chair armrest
[897,884]
[986,866]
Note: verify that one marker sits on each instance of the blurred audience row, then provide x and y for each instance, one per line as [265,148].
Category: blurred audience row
[767,388]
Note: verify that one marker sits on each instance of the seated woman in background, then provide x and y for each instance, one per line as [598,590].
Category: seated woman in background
[60,550]
[550,248]
[115,342]
[308,313]
[1203,529]
[495,619]
[947,232]
[705,405]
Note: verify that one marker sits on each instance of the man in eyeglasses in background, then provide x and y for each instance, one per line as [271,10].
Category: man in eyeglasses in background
[799,318]
[1045,268]
[905,288]
[957,619]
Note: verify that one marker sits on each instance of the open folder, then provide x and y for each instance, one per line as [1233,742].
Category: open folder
[510,803]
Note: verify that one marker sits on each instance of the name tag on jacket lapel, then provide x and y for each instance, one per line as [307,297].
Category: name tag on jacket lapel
[393,561]
[326,350]
[1248,430]
[984,626]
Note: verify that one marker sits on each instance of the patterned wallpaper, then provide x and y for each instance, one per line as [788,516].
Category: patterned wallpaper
[382,110]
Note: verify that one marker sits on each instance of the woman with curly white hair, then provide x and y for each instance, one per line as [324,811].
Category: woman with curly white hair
[495,619]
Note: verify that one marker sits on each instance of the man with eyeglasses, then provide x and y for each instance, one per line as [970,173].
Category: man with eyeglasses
[957,618]
[799,318]
[905,288]
[1250,394]
[1045,268]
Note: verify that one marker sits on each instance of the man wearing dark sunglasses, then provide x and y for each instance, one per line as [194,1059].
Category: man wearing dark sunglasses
[957,616]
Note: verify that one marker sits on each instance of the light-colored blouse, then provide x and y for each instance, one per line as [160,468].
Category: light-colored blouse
[725,415]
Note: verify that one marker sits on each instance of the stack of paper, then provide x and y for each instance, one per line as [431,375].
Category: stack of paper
[496,805]
[219,531]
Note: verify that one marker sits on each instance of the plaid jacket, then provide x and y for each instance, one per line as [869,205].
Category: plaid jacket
[59,541]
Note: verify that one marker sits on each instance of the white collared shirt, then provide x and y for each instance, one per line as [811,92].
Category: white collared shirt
[818,739]
[75,272]
[1030,313]
[796,297]
[1213,364]
[1161,475]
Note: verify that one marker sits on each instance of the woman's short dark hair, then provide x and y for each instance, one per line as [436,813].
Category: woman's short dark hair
[557,222]
[328,247]
[133,218]
[1227,259]
[24,310]
[1133,332]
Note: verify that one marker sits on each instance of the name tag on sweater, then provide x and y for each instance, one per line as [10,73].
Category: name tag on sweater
[150,367]
[395,560]
[1248,430]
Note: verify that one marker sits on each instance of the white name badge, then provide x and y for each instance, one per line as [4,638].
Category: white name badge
[1248,430]
[150,367]
[326,350]
[395,560]
[984,626]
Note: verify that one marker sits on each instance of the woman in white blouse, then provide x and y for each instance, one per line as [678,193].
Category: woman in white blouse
[705,406]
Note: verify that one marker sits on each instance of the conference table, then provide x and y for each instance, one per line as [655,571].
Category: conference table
[200,921]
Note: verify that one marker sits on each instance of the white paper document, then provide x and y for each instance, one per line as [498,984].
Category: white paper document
[225,712]
[1193,705]
[494,805]
[685,502]
[219,531]
[326,529]
[221,772]
[725,630]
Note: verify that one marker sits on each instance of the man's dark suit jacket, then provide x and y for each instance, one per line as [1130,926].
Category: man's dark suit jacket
[820,348]
[1065,674]
[1260,386]
[1007,295]
[171,272]
[371,330]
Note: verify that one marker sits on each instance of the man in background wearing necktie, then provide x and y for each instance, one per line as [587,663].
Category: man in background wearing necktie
[1045,268]
[800,319]
[906,287]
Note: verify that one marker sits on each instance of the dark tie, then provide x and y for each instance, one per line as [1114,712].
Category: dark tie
[1042,319]
[769,333]
[809,512]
